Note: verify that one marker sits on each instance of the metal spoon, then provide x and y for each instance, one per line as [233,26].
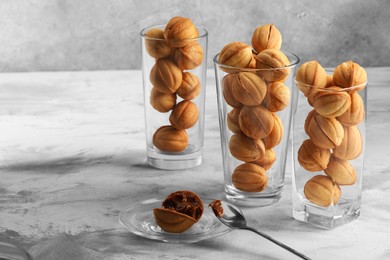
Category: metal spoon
[237,220]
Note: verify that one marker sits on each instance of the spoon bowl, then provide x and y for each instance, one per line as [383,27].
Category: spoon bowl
[234,218]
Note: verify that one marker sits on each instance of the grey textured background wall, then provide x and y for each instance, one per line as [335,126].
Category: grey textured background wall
[42,35]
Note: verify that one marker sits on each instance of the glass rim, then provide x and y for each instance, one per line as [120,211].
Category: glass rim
[291,65]
[330,89]
[203,35]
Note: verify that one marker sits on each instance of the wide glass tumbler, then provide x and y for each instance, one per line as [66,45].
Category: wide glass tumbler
[174,80]
[255,109]
[328,153]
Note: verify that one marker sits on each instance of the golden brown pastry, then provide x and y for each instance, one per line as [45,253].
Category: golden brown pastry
[341,171]
[156,45]
[355,113]
[268,160]
[184,115]
[248,88]
[311,97]
[351,145]
[165,76]
[256,122]
[308,119]
[271,59]
[252,64]
[312,157]
[227,90]
[325,132]
[277,98]
[170,139]
[332,103]
[276,134]
[235,54]
[349,74]
[310,75]
[266,37]
[322,191]
[246,149]
[179,30]
[180,210]
[162,102]
[329,80]
[232,120]
[190,86]
[249,177]
[189,57]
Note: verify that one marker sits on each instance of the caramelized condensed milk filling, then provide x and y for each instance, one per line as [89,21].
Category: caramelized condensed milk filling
[180,210]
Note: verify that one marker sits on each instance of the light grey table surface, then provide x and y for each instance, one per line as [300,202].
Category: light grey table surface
[72,156]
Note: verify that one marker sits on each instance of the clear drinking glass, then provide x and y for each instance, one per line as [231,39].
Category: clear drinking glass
[174,79]
[276,108]
[329,148]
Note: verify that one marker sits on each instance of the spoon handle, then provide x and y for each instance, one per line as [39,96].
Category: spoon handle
[278,243]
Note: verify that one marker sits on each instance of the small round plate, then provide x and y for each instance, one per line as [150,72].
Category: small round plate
[138,218]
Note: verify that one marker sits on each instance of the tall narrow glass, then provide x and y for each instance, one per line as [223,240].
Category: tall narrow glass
[174,80]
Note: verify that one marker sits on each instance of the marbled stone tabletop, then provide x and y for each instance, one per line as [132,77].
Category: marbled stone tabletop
[72,156]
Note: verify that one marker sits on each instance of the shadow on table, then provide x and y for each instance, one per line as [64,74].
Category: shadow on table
[59,165]
[112,242]
[70,164]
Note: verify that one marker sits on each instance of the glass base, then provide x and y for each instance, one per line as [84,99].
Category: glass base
[330,217]
[172,161]
[253,199]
